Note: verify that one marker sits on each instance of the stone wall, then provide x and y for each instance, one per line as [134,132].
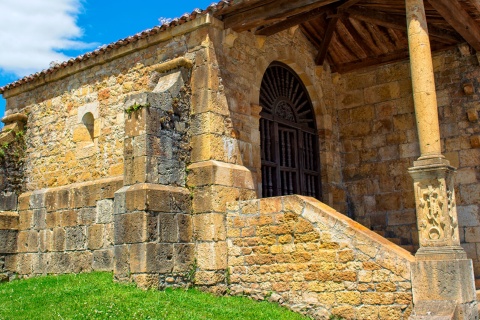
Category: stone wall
[62,147]
[301,253]
[379,142]
[243,59]
[66,229]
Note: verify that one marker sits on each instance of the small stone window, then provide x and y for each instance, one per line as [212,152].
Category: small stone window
[89,123]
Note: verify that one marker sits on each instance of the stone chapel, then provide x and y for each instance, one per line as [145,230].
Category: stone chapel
[322,154]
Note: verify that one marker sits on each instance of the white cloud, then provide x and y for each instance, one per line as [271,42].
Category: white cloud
[32,32]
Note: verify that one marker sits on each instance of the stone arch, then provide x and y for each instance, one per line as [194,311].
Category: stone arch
[317,81]
[289,144]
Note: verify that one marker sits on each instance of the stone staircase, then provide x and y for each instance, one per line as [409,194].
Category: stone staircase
[409,247]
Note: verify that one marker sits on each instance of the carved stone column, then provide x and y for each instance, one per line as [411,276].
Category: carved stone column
[442,276]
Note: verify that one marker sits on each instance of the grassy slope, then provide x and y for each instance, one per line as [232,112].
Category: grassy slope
[95,296]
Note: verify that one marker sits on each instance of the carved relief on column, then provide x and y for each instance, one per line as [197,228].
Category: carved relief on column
[436,208]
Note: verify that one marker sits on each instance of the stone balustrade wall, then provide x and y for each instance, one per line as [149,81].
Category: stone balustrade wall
[303,254]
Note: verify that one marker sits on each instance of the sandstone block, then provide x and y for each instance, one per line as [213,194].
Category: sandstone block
[8,241]
[168,227]
[135,227]
[76,238]
[86,216]
[39,219]
[104,211]
[103,260]
[212,255]
[121,267]
[95,236]
[209,227]
[184,255]
[185,227]
[59,239]
[8,201]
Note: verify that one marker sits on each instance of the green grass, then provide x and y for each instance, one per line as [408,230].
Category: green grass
[96,296]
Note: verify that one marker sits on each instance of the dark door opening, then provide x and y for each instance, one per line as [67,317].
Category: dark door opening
[288,132]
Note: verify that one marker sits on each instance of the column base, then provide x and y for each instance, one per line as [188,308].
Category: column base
[444,310]
[443,288]
[441,253]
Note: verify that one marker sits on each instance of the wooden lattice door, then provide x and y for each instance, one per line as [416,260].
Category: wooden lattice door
[289,140]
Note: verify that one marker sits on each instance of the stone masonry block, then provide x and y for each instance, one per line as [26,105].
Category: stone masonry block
[104,211]
[37,200]
[136,227]
[25,220]
[184,256]
[168,228]
[185,228]
[9,221]
[212,255]
[103,260]
[57,199]
[151,257]
[209,226]
[85,196]
[86,216]
[76,238]
[39,219]
[468,216]
[157,198]
[8,241]
[8,201]
[95,236]
[121,267]
[59,239]
[219,173]
[24,201]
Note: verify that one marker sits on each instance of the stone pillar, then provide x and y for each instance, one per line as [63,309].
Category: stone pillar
[442,276]
[216,175]
[153,225]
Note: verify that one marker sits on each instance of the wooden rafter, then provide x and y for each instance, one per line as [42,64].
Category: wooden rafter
[274,11]
[305,17]
[347,4]
[399,23]
[383,59]
[293,21]
[476,4]
[459,19]
[355,34]
[322,53]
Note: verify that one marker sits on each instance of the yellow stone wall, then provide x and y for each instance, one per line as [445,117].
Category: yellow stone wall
[303,254]
[60,149]
[379,142]
[243,59]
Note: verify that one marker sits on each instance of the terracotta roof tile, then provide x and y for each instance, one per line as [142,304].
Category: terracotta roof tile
[122,42]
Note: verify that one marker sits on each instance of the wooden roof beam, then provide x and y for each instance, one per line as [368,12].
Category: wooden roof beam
[399,23]
[327,39]
[383,59]
[304,17]
[453,12]
[273,11]
[293,21]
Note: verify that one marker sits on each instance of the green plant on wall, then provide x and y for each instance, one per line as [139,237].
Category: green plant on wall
[136,106]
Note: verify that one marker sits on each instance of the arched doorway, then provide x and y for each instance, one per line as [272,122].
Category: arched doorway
[288,132]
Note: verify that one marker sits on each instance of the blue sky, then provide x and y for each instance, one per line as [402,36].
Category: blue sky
[34,33]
